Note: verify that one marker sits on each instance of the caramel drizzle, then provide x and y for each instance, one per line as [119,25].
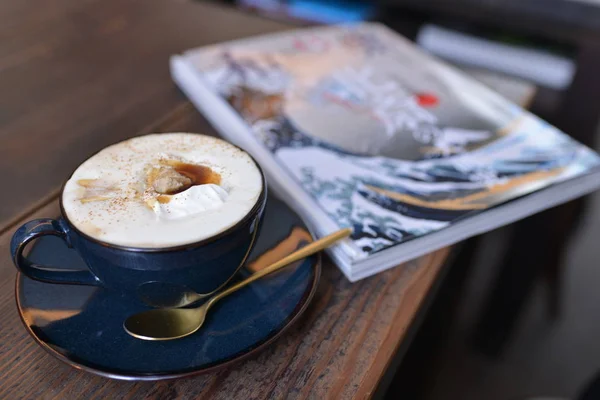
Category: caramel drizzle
[95,190]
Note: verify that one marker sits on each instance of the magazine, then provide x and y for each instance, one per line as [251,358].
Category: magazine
[356,127]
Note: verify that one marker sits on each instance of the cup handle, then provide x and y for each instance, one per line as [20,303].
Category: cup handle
[41,227]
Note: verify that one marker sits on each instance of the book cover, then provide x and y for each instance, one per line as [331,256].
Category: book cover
[384,138]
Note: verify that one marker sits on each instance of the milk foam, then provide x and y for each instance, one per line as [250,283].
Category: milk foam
[111,197]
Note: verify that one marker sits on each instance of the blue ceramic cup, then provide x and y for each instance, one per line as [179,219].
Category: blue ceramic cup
[203,266]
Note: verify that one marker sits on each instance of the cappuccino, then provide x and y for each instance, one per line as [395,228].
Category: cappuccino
[162,190]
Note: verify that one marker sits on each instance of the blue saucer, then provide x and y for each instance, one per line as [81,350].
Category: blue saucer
[83,326]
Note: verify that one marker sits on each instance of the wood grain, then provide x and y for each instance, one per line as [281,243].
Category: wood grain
[77,76]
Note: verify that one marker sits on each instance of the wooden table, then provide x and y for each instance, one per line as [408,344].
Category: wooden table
[76,76]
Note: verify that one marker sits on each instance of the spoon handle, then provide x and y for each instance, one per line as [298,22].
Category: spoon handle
[299,254]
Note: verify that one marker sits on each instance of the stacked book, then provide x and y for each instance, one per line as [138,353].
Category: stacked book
[355,127]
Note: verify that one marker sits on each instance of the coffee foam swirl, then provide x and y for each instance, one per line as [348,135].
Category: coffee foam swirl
[162,190]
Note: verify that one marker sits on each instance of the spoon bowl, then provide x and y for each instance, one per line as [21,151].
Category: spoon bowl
[172,324]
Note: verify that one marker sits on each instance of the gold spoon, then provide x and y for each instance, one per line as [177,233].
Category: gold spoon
[175,323]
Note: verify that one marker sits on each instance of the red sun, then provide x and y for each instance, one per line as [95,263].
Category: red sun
[427,99]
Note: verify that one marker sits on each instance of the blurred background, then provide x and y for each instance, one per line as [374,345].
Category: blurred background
[515,317]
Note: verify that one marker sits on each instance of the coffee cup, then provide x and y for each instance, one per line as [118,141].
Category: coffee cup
[192,234]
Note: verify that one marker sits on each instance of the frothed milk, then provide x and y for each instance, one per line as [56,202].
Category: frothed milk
[162,190]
